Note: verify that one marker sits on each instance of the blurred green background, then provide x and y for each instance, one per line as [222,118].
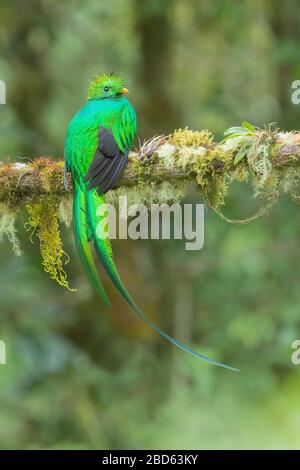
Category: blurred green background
[81,376]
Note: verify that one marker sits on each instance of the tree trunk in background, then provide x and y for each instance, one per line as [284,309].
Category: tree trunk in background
[285,25]
[154,70]
[30,35]
[158,114]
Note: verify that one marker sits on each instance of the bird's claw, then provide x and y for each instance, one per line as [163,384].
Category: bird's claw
[148,148]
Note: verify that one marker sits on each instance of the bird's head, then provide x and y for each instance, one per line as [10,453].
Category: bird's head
[106,86]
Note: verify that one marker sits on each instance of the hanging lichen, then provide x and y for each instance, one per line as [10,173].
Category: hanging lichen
[8,228]
[65,210]
[43,222]
[253,146]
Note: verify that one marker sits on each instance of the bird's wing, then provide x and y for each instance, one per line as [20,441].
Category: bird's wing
[111,156]
[124,130]
[108,163]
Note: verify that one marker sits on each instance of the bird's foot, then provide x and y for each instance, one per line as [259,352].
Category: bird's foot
[147,149]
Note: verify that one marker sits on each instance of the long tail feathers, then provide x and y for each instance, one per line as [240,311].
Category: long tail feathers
[97,220]
[82,233]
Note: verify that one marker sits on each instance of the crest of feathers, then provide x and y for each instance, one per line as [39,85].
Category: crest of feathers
[111,80]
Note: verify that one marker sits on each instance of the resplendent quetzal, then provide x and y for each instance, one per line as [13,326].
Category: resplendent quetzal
[98,141]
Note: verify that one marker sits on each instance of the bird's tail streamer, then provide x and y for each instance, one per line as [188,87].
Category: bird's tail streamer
[82,233]
[98,224]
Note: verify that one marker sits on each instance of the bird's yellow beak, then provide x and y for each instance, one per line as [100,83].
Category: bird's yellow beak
[125,91]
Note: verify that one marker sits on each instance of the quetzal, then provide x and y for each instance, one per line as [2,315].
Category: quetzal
[98,141]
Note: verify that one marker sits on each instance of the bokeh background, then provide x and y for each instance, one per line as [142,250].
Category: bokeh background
[81,376]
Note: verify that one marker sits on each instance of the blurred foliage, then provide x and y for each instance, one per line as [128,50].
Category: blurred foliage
[81,376]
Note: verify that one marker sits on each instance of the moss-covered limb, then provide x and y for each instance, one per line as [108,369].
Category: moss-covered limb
[185,155]
[21,182]
[158,172]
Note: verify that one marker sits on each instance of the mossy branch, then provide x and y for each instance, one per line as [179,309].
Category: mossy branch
[159,171]
[185,156]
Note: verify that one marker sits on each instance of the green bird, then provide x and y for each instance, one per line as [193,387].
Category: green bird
[96,151]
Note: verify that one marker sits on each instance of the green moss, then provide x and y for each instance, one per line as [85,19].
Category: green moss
[215,166]
[188,138]
[188,157]
[8,182]
[240,173]
[211,175]
[43,222]
[273,150]
[50,174]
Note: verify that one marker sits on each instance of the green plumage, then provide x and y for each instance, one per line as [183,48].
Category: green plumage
[116,114]
[83,233]
[98,140]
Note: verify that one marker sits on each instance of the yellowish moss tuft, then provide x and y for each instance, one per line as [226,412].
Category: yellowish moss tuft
[50,174]
[211,175]
[43,222]
[188,138]
[240,173]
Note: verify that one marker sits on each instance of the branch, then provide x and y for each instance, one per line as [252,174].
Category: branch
[185,156]
[159,171]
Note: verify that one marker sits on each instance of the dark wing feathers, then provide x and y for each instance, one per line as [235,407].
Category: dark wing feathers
[108,163]
[98,164]
[107,144]
[114,175]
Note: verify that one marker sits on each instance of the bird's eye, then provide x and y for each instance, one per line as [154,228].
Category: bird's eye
[106,88]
